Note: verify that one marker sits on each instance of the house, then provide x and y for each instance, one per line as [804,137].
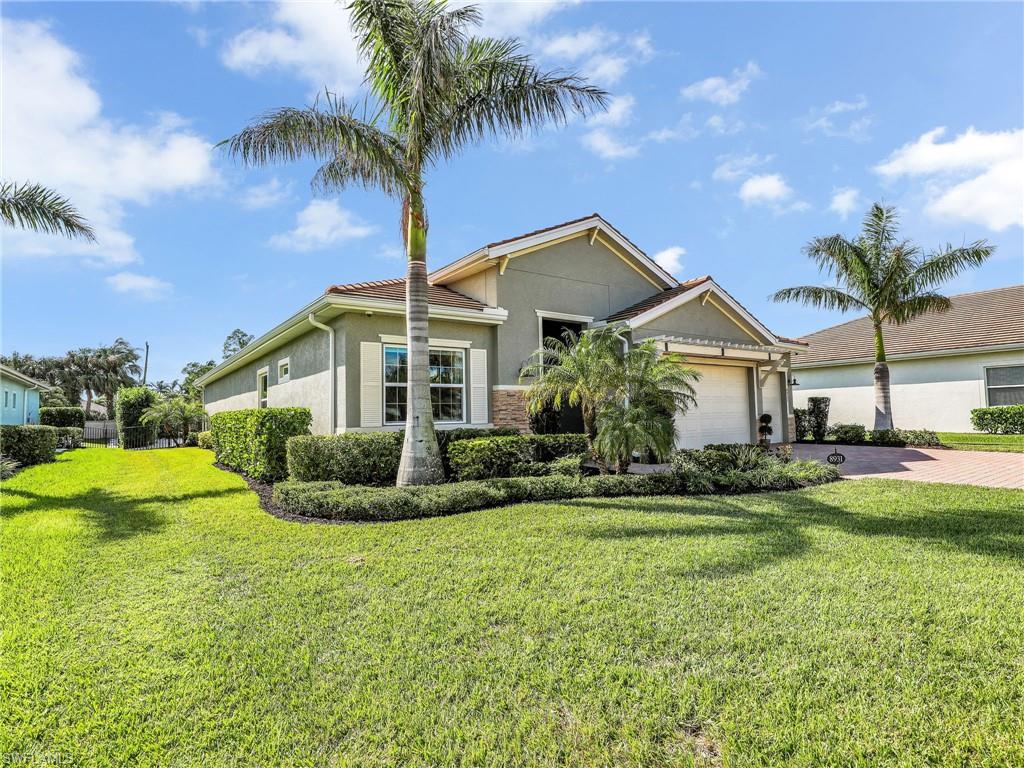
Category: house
[343,355]
[20,397]
[941,365]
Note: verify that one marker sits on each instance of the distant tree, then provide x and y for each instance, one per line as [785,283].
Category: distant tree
[236,341]
[55,398]
[191,372]
[174,417]
[890,279]
[34,207]
[166,388]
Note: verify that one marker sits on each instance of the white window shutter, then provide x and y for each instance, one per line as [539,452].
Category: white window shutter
[478,385]
[371,384]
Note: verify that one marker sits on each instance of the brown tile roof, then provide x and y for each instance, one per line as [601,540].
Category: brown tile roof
[394,290]
[659,298]
[544,229]
[982,319]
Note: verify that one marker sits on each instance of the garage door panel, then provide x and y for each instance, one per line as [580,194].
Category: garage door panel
[721,414]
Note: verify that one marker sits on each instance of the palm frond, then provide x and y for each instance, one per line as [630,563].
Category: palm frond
[939,267]
[879,229]
[915,306]
[37,208]
[820,296]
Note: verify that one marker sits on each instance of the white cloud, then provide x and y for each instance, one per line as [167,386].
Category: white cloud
[603,56]
[141,286]
[576,45]
[606,69]
[619,111]
[722,126]
[605,145]
[55,134]
[733,167]
[838,107]
[845,200]
[669,259]
[515,18]
[771,190]
[835,120]
[723,90]
[201,35]
[265,195]
[312,40]
[320,224]
[976,177]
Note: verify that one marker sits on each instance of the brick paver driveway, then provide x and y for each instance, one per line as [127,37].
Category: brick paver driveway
[931,465]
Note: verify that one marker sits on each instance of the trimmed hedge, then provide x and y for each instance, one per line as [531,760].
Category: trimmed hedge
[999,419]
[129,405]
[205,439]
[28,443]
[492,457]
[801,423]
[252,441]
[848,433]
[63,416]
[817,417]
[369,458]
[69,437]
[900,438]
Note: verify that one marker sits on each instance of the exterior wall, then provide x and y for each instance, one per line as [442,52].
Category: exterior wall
[360,328]
[703,321]
[483,286]
[508,409]
[22,403]
[308,385]
[927,393]
[572,277]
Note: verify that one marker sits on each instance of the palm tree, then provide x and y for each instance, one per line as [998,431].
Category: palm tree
[174,417]
[116,366]
[436,90]
[34,207]
[890,279]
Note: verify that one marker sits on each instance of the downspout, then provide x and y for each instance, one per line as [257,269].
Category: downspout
[334,369]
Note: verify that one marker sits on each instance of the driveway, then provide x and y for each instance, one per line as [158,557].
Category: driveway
[930,465]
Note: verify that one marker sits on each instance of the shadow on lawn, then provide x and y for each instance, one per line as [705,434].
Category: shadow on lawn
[779,531]
[117,517]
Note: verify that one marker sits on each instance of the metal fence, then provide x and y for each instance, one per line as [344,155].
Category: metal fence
[105,435]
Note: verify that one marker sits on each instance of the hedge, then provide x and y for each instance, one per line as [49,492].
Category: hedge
[817,417]
[492,457]
[848,433]
[999,419]
[69,437]
[252,441]
[921,438]
[63,416]
[205,440]
[28,443]
[129,405]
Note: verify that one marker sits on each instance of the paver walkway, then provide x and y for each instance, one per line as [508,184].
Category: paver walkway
[930,465]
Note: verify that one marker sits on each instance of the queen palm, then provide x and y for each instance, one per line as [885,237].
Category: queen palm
[890,279]
[435,89]
[34,207]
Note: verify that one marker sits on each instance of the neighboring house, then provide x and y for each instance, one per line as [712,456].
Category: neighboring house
[20,397]
[344,356]
[941,364]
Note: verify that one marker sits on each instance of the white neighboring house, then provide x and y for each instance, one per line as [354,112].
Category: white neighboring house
[942,365]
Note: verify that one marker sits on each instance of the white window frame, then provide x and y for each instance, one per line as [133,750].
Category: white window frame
[263,373]
[288,375]
[987,386]
[384,382]
[543,314]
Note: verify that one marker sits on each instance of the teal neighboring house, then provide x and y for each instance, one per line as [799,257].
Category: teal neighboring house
[20,397]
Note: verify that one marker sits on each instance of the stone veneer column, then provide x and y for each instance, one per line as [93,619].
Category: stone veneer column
[508,409]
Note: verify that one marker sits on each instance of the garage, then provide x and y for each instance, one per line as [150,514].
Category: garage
[722,413]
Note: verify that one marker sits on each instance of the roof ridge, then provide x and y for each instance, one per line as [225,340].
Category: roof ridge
[987,290]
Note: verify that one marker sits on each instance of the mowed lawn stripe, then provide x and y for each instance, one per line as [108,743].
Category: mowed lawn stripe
[153,614]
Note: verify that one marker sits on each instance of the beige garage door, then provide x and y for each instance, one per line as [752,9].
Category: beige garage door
[722,411]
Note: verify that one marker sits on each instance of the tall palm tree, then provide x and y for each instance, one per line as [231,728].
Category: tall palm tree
[890,279]
[435,90]
[117,366]
[34,207]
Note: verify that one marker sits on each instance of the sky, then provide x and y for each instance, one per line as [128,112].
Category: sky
[736,133]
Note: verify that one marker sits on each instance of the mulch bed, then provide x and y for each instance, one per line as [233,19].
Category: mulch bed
[265,493]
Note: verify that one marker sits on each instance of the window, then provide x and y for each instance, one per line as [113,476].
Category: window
[447,384]
[1005,385]
[284,368]
[14,399]
[261,387]
[6,398]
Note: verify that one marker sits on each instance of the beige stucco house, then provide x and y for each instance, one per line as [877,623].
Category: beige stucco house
[941,365]
[343,355]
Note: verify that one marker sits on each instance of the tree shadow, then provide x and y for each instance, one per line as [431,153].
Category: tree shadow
[117,517]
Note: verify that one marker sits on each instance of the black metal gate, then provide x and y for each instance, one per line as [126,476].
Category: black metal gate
[104,434]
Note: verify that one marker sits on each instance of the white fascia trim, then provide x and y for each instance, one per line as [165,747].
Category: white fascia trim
[450,343]
[531,241]
[564,316]
[10,373]
[797,365]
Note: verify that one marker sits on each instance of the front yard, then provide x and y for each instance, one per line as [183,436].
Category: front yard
[153,614]
[979,441]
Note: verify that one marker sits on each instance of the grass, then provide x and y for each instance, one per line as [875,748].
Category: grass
[152,614]
[979,441]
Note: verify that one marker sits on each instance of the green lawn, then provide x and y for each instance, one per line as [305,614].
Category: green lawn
[979,441]
[152,614]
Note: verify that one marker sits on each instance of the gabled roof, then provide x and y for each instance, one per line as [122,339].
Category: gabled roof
[394,290]
[653,301]
[494,253]
[16,375]
[993,318]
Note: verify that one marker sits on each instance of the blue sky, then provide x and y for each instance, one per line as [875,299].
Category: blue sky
[737,132]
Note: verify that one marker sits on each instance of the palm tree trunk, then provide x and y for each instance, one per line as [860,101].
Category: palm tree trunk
[421,459]
[88,403]
[883,394]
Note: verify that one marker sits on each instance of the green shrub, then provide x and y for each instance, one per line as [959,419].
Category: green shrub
[891,437]
[920,438]
[28,443]
[742,456]
[817,416]
[551,447]
[68,416]
[8,467]
[848,433]
[999,419]
[530,469]
[488,457]
[368,458]
[734,469]
[571,465]
[801,424]
[783,452]
[69,437]
[130,403]
[205,440]
[253,441]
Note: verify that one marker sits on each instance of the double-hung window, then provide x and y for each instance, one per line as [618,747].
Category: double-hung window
[262,387]
[1005,385]
[447,384]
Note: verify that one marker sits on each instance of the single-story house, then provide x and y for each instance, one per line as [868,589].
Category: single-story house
[941,365]
[344,355]
[20,396]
